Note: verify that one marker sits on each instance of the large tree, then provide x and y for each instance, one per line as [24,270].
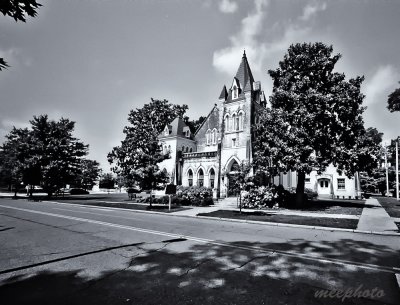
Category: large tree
[315,118]
[139,154]
[14,154]
[47,153]
[393,103]
[88,174]
[17,9]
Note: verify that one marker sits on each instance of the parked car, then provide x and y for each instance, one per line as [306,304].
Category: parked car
[78,191]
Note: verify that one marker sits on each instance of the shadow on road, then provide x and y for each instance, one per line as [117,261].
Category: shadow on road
[219,274]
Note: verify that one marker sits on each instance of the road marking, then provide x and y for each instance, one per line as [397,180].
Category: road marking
[94,213]
[271,252]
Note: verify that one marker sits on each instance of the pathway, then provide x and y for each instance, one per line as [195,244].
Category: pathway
[375,218]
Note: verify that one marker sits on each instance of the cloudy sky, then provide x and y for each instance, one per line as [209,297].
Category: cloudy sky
[93,60]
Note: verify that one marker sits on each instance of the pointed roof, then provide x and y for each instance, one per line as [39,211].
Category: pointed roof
[244,74]
[224,94]
[177,126]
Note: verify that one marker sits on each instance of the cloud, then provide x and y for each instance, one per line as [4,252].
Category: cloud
[225,60]
[228,6]
[381,84]
[311,9]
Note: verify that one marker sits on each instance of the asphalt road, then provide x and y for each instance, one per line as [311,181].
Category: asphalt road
[53,253]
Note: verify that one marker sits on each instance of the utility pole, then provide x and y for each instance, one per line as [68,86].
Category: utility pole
[397,168]
[387,172]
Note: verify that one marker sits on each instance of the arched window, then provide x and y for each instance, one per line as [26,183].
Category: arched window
[191,149]
[190,177]
[234,117]
[200,178]
[214,136]
[227,122]
[165,149]
[208,137]
[241,121]
[166,131]
[169,148]
[183,148]
[187,149]
[212,178]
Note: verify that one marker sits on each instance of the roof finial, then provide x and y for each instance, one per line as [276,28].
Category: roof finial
[244,52]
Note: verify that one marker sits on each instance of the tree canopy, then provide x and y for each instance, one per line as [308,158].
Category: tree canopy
[137,158]
[315,117]
[393,103]
[46,154]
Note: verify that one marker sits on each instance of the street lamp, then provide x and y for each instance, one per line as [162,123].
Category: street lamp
[397,168]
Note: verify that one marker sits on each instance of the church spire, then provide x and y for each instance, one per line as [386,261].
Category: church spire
[244,75]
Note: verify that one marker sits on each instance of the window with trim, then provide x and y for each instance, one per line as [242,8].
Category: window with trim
[191,149]
[241,121]
[190,177]
[234,126]
[214,139]
[341,185]
[183,148]
[235,92]
[208,137]
[237,123]
[234,142]
[187,149]
[200,178]
[212,178]
[227,123]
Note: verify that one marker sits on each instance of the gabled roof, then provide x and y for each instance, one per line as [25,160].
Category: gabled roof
[176,128]
[205,120]
[244,74]
[224,94]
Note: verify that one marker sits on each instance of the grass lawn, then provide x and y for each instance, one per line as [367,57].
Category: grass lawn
[346,207]
[131,206]
[391,205]
[292,219]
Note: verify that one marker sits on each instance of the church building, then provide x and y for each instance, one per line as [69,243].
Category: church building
[224,140]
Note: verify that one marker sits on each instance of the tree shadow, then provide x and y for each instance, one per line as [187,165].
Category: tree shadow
[231,273]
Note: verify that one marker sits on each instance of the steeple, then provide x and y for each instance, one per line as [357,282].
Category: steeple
[244,74]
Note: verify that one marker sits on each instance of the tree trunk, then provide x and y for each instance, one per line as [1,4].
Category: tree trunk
[301,177]
[15,190]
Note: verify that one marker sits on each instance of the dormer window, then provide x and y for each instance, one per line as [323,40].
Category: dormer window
[235,92]
[166,131]
[187,133]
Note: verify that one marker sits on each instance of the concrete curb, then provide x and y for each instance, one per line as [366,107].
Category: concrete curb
[274,224]
[398,279]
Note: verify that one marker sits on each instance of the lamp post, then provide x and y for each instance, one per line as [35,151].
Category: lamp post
[387,173]
[397,168]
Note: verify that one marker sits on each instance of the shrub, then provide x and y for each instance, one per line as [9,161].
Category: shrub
[195,195]
[260,197]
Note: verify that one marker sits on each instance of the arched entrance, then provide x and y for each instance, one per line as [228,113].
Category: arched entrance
[232,173]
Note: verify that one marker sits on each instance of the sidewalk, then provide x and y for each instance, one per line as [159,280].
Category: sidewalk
[375,218]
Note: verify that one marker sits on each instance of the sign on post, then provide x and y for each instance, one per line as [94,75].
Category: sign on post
[170,190]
